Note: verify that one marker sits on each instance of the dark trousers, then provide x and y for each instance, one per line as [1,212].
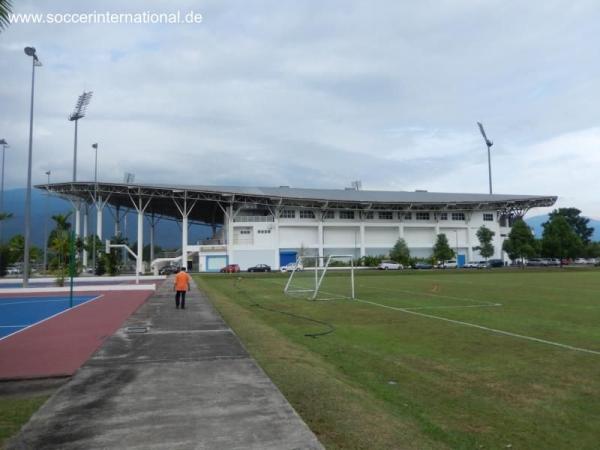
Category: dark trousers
[179,294]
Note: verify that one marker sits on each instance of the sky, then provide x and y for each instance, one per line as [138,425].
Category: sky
[315,94]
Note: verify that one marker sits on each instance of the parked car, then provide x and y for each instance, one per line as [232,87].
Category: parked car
[168,270]
[291,266]
[12,270]
[450,264]
[230,268]
[553,261]
[580,261]
[495,263]
[389,265]
[422,265]
[259,268]
[535,262]
[476,265]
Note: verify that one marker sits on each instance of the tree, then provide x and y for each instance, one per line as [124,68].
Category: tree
[485,236]
[3,248]
[578,223]
[5,11]
[400,252]
[559,240]
[441,249]
[520,243]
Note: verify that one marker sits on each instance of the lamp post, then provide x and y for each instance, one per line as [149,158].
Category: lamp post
[46,226]
[488,144]
[95,147]
[78,113]
[35,62]
[4,145]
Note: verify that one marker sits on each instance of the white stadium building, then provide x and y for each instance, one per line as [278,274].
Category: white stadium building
[258,225]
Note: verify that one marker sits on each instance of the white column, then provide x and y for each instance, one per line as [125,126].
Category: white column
[321,240]
[229,225]
[401,231]
[77,220]
[276,236]
[362,240]
[99,209]
[184,240]
[469,247]
[140,239]
[85,233]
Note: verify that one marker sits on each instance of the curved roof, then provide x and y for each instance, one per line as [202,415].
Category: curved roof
[209,201]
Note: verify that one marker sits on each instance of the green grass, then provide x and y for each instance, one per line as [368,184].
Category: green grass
[15,411]
[387,378]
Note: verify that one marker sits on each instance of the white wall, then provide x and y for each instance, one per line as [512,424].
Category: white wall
[419,237]
[381,236]
[339,236]
[296,237]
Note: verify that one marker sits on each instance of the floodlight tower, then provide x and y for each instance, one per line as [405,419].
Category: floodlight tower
[48,173]
[489,144]
[78,113]
[35,62]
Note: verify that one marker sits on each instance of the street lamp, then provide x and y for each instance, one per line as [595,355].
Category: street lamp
[46,225]
[4,145]
[489,144]
[35,62]
[95,147]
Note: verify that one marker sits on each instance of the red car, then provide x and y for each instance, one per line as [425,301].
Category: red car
[230,268]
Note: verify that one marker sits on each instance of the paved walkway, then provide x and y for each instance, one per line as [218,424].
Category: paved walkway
[185,383]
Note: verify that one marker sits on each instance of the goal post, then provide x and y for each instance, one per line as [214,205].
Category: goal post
[313,277]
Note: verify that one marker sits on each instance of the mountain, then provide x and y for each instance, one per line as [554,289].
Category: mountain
[536,222]
[167,232]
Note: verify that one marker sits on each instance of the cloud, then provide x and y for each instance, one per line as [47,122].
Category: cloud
[316,95]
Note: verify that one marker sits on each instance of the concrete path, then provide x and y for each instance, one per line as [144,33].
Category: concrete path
[169,379]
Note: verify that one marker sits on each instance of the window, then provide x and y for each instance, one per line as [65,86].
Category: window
[369,215]
[304,214]
[346,214]
[245,232]
[385,215]
[443,216]
[408,216]
[488,217]
[264,231]
[422,216]
[458,216]
[288,214]
[329,215]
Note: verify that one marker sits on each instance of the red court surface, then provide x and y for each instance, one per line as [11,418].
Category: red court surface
[59,346]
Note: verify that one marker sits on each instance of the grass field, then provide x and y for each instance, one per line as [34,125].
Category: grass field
[445,359]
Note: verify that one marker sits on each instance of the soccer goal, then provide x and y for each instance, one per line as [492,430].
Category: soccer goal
[322,277]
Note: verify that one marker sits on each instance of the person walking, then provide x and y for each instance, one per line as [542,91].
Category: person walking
[181,285]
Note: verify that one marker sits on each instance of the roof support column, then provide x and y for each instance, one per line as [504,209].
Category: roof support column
[229,225]
[140,207]
[275,212]
[320,239]
[85,235]
[362,240]
[469,247]
[185,209]
[99,210]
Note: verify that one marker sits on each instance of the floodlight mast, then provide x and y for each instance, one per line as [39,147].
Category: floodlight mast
[488,144]
[79,113]
[35,62]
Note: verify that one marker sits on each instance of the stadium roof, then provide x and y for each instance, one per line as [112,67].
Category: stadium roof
[209,201]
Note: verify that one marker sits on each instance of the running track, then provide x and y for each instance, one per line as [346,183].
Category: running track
[59,346]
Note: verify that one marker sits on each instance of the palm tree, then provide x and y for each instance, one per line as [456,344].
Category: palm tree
[5,10]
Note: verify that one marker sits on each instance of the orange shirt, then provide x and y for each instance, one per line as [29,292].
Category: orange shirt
[182,280]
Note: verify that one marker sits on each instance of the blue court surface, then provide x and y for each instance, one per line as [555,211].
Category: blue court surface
[17,313]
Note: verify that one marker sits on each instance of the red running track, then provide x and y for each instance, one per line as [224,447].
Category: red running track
[59,346]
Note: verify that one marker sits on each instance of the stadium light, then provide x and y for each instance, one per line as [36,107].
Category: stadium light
[488,144]
[48,173]
[95,147]
[35,62]
[79,113]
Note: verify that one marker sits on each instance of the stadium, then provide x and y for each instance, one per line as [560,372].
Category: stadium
[262,225]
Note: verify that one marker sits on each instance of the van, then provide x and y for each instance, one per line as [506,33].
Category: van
[450,264]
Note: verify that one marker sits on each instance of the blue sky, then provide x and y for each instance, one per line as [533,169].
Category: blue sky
[317,94]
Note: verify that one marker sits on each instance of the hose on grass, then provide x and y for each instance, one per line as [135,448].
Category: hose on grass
[254,303]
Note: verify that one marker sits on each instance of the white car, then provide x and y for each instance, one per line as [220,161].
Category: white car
[580,261]
[291,266]
[451,264]
[389,265]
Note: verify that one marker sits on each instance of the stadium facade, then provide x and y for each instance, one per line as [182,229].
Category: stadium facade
[258,225]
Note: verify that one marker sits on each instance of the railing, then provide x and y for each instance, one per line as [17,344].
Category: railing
[253,219]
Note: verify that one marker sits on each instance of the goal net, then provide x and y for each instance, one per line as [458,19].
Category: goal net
[322,277]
